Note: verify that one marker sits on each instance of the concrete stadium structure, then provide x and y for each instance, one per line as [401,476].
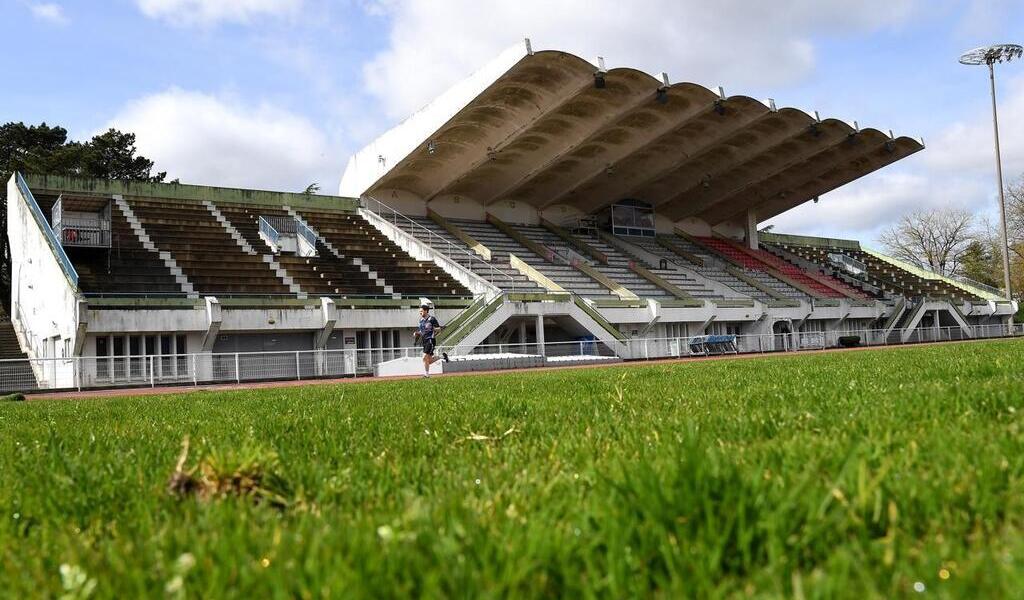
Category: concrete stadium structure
[543,204]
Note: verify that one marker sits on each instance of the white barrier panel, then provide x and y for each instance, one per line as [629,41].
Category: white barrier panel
[406,366]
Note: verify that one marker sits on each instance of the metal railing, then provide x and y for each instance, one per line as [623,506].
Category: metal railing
[924,266]
[848,263]
[88,229]
[280,223]
[306,233]
[82,235]
[239,367]
[458,254]
[999,293]
[270,232]
[44,227]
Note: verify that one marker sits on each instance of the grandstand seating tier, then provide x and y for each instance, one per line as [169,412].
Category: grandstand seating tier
[426,230]
[891,279]
[617,268]
[757,260]
[619,262]
[211,259]
[323,274]
[501,245]
[351,234]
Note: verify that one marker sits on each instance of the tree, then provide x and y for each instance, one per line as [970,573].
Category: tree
[936,239]
[981,262]
[1015,233]
[46,150]
[111,155]
[313,188]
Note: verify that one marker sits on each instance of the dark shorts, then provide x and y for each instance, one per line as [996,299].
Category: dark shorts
[428,346]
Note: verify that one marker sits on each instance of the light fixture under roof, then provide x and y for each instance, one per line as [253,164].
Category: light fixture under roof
[662,95]
[599,74]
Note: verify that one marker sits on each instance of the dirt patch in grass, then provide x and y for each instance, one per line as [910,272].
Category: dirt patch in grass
[248,471]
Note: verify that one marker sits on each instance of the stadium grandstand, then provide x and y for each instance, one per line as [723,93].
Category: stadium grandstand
[552,211]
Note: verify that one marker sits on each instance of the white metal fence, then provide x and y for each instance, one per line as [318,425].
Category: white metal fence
[239,367]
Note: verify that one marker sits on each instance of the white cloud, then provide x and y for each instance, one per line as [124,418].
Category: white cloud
[957,168]
[736,43]
[49,12]
[212,12]
[215,140]
[860,210]
[967,145]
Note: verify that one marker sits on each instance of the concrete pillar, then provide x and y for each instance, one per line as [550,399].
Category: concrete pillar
[540,335]
[522,332]
[751,229]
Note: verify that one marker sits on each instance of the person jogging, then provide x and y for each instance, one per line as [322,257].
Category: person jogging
[425,335]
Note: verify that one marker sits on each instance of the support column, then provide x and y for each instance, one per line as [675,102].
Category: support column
[751,229]
[540,335]
[522,332]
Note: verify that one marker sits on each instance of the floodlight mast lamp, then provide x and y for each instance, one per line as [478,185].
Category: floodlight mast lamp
[990,55]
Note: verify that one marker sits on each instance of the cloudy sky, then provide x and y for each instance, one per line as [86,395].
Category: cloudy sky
[278,93]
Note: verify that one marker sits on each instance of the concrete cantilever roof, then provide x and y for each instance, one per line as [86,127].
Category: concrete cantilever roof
[533,127]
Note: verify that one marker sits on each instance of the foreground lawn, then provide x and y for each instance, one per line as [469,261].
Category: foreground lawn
[884,473]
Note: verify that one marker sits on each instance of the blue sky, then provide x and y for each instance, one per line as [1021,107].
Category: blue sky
[278,93]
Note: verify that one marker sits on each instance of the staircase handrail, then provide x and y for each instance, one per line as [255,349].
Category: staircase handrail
[306,232]
[852,264]
[273,235]
[897,312]
[452,248]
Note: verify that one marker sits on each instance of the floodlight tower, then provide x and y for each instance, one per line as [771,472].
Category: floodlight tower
[990,55]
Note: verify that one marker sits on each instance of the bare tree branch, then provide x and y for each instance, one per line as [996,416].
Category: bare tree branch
[935,239]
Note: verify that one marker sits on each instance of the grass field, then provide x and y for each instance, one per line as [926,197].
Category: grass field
[859,474]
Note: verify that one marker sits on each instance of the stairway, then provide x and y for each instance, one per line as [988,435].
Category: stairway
[15,371]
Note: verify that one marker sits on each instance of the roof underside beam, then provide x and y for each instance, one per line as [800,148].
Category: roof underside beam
[609,143]
[783,183]
[809,142]
[661,155]
[553,135]
[544,133]
[710,168]
[528,91]
[880,157]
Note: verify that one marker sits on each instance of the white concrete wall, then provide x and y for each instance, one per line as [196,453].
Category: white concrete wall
[453,206]
[147,321]
[731,229]
[402,201]
[560,214]
[44,303]
[511,211]
[692,226]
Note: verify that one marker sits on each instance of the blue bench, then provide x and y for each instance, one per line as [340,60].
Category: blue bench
[713,344]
